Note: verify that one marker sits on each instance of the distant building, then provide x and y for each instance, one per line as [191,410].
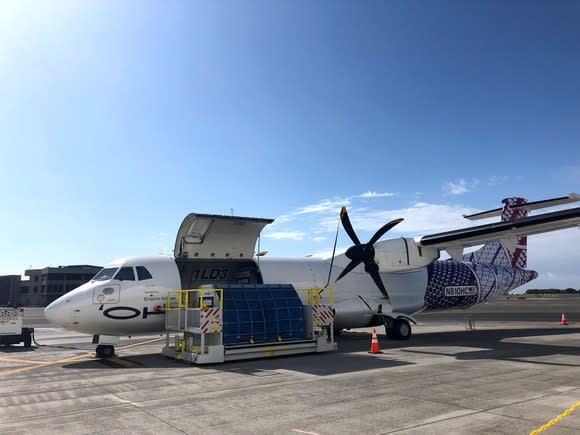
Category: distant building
[9,290]
[46,285]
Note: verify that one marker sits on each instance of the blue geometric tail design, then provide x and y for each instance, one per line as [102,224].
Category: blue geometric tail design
[491,253]
[442,274]
[497,254]
[480,283]
[494,280]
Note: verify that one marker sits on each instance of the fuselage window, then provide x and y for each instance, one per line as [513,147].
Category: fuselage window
[105,274]
[125,274]
[143,273]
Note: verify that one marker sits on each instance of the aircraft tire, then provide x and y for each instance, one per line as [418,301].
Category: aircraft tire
[402,329]
[105,351]
[27,340]
[390,330]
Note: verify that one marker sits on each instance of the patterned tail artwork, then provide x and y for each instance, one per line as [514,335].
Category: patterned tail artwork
[482,275]
[461,285]
[496,253]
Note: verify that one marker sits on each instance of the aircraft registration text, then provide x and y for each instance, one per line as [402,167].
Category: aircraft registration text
[461,290]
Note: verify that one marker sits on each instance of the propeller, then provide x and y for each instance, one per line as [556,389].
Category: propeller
[365,252]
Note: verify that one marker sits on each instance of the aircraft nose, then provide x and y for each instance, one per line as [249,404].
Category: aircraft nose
[58,313]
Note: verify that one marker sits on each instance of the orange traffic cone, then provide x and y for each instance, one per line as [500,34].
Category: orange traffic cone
[564,320]
[375,343]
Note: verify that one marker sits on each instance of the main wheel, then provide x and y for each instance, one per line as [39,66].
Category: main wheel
[27,340]
[402,329]
[105,351]
[389,327]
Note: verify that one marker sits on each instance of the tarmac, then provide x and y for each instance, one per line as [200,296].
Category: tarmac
[518,370]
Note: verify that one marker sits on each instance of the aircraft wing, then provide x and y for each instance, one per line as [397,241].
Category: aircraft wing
[572,197]
[481,234]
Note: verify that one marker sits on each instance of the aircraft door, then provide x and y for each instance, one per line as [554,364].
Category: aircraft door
[195,273]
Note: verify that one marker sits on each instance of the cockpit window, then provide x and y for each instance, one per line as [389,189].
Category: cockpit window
[106,273]
[125,274]
[143,273]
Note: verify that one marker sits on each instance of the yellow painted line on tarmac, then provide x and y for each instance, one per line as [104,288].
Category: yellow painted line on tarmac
[39,364]
[24,361]
[140,343]
[556,419]
[44,364]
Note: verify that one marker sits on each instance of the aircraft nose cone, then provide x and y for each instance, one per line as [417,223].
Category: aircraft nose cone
[57,313]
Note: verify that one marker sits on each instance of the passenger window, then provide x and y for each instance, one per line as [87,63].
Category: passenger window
[125,274]
[143,273]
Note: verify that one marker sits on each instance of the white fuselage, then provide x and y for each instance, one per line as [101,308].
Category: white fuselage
[135,306]
[128,296]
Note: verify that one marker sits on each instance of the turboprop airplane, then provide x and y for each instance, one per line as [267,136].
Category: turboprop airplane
[378,282]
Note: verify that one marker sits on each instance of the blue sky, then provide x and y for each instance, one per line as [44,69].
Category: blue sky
[117,118]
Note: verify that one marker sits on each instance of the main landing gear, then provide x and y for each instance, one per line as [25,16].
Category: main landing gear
[397,329]
[105,351]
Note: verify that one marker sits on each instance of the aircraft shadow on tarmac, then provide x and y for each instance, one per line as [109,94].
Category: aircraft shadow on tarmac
[500,344]
[323,364]
[352,357]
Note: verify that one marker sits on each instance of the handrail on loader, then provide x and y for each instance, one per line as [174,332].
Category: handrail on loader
[182,298]
[316,296]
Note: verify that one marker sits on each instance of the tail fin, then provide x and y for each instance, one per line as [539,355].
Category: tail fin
[509,253]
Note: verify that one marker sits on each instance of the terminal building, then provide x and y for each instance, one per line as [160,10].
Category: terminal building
[43,285]
[9,290]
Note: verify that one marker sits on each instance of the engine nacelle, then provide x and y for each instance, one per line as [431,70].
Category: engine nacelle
[400,255]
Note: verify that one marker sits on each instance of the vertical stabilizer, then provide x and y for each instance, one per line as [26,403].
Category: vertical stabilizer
[518,251]
[509,253]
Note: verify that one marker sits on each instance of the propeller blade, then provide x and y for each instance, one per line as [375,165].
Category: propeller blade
[347,269]
[359,253]
[384,229]
[347,226]
[379,282]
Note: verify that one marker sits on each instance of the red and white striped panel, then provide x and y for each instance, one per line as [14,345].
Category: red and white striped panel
[211,320]
[323,314]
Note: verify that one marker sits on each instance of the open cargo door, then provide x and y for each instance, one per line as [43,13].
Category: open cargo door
[216,237]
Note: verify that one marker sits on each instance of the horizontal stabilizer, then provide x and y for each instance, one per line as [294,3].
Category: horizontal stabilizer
[572,197]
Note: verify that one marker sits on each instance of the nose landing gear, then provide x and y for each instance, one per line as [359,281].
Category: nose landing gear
[105,351]
[106,345]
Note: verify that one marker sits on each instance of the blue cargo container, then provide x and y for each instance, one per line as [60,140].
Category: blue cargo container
[261,313]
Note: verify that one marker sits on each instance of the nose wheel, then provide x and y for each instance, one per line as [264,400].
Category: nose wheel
[105,351]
